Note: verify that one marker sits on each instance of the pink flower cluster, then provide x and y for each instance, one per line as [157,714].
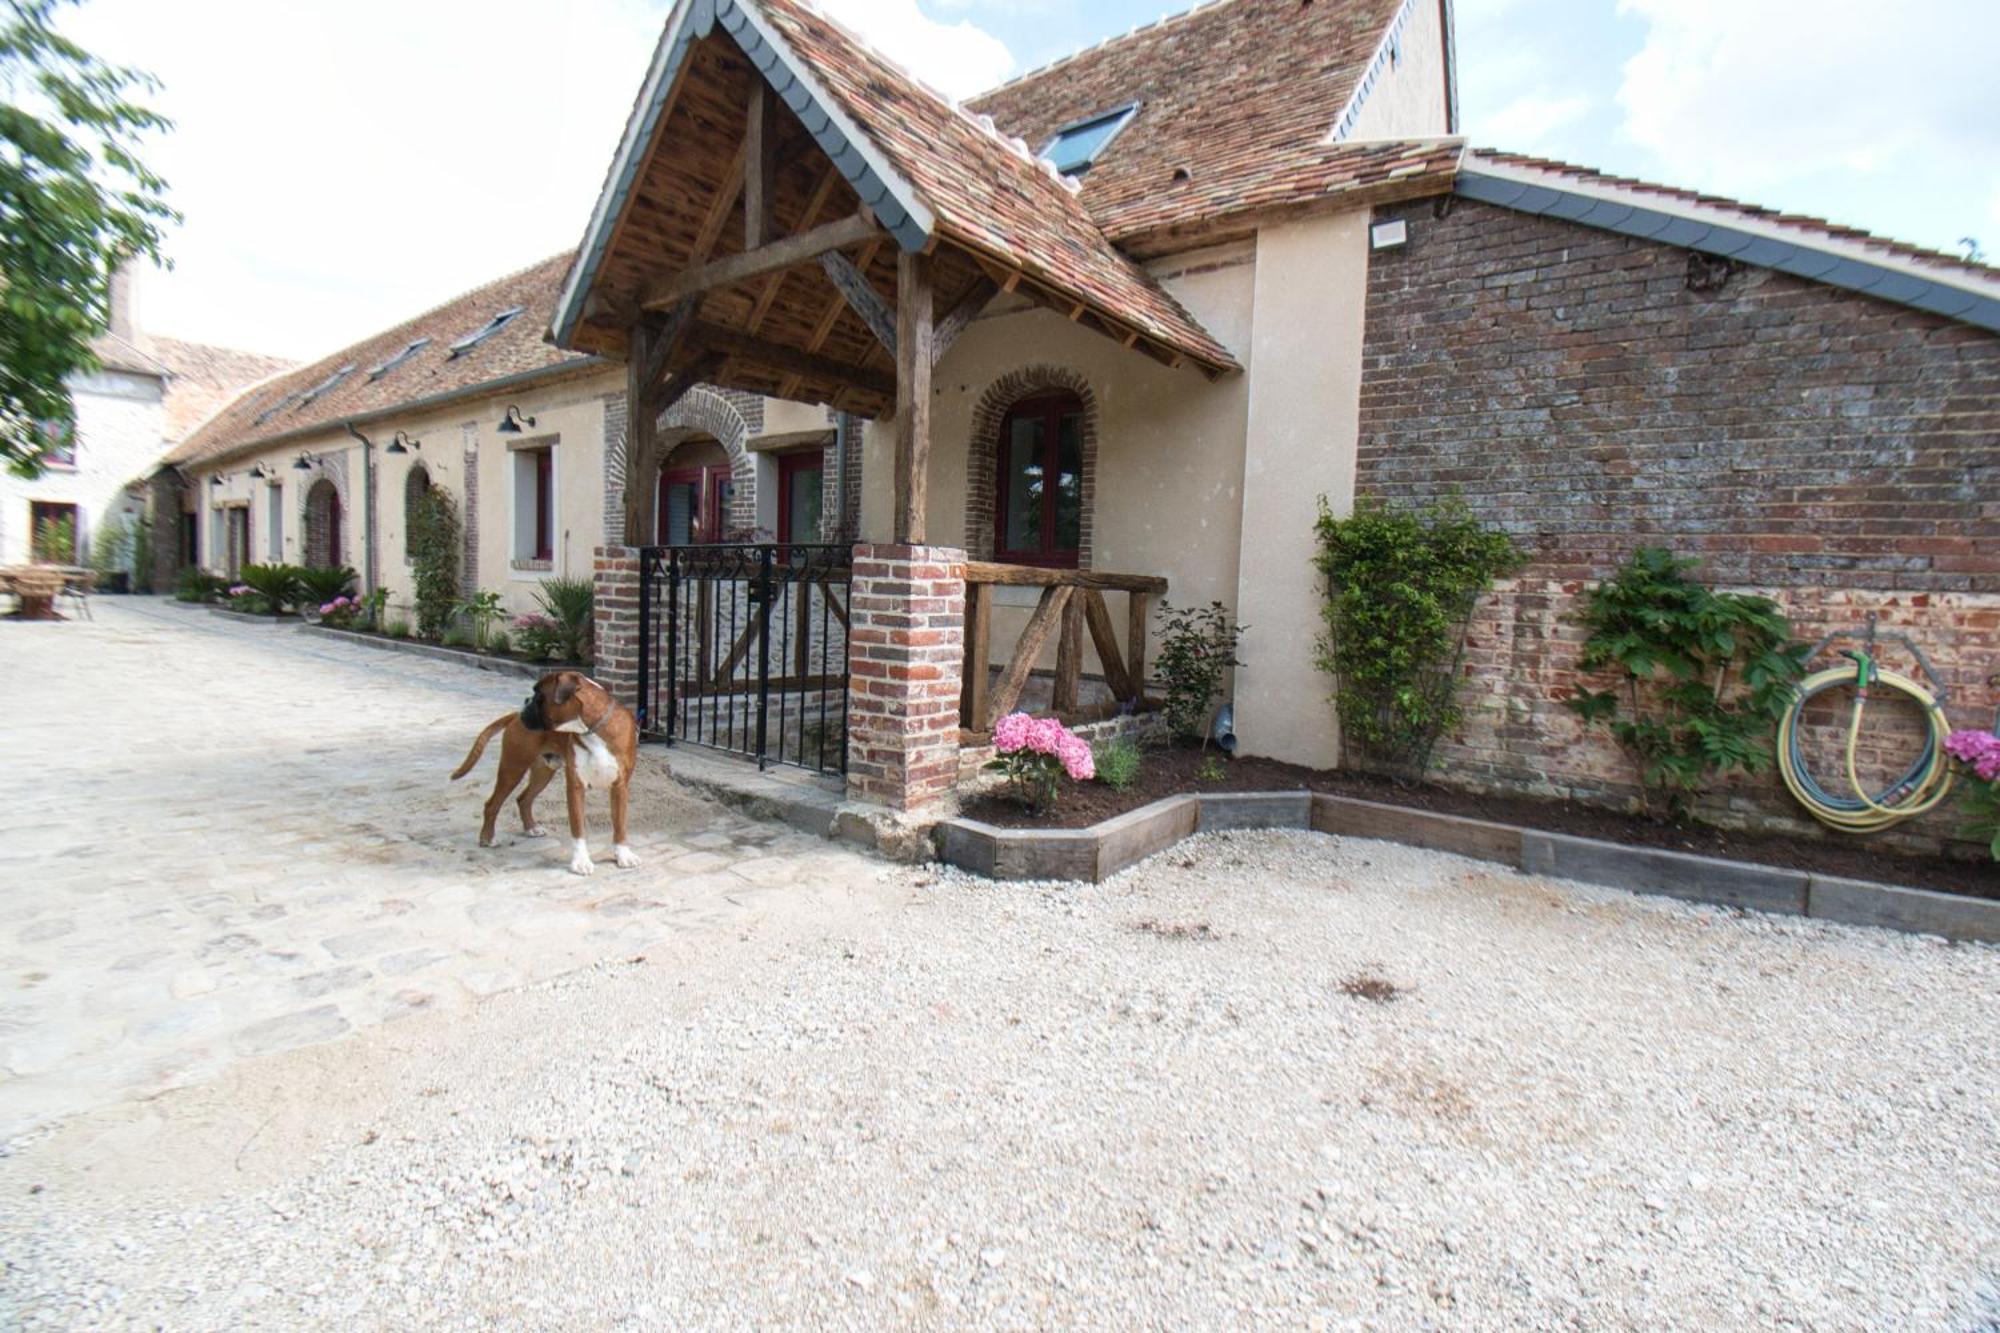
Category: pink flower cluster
[239,589]
[338,604]
[1977,750]
[1045,735]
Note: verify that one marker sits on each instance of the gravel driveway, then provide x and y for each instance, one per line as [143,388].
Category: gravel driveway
[1265,1078]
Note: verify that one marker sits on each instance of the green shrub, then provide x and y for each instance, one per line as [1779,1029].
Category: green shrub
[1703,677]
[1196,647]
[111,548]
[480,611]
[1118,762]
[369,608]
[194,584]
[571,604]
[1401,585]
[142,554]
[458,636]
[498,642]
[397,628]
[540,638]
[55,542]
[320,584]
[1211,770]
[277,585]
[433,543]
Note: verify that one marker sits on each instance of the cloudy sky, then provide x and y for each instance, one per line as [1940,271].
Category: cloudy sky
[344,164]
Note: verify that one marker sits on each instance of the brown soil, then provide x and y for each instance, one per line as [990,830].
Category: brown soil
[1170,772]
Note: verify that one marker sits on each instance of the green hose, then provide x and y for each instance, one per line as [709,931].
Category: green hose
[1921,788]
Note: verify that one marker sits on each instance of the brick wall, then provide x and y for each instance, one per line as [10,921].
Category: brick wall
[904,657]
[615,628]
[1832,451]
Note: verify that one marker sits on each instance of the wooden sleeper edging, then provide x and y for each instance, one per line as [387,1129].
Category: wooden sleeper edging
[1096,853]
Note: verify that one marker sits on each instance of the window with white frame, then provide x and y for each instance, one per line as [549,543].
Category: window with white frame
[274,523]
[534,478]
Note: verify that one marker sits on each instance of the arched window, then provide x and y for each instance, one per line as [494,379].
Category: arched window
[323,525]
[416,483]
[1038,494]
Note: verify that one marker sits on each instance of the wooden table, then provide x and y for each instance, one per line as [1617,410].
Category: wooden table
[38,586]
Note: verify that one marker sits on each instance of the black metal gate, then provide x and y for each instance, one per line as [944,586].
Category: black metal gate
[743,648]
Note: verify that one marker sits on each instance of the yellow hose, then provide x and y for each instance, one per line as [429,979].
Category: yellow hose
[1921,789]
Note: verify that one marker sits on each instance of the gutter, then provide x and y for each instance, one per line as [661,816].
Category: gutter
[368,507]
[519,378]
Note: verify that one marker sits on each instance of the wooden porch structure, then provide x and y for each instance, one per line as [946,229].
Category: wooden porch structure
[791,215]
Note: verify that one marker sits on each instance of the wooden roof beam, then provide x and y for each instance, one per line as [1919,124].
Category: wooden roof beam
[777,356]
[772,258]
[959,318]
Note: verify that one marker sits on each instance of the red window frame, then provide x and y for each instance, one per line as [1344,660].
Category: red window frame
[710,508]
[545,466]
[789,466]
[1052,408]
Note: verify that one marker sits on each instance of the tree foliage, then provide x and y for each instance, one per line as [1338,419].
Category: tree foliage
[1703,676]
[1197,646]
[75,202]
[1401,584]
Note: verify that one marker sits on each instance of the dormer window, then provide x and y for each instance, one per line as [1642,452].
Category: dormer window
[1076,145]
[398,359]
[493,326]
[327,385]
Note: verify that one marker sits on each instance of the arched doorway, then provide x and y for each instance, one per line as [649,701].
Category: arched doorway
[697,488]
[323,525]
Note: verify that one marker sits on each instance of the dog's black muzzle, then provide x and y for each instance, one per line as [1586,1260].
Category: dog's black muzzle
[531,714]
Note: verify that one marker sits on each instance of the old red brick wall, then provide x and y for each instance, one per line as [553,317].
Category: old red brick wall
[1837,453]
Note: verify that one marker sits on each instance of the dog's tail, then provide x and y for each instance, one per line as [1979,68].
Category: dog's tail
[493,728]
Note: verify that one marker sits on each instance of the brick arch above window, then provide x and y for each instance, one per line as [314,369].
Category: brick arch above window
[982,453]
[703,411]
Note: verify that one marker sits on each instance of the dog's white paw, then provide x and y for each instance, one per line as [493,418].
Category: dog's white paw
[579,860]
[627,858]
[534,831]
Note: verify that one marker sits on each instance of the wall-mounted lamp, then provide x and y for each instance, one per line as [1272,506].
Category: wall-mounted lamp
[402,443]
[262,473]
[305,461]
[513,421]
[215,480]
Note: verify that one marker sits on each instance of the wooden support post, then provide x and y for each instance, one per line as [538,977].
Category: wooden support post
[1069,656]
[959,318]
[642,462]
[1106,643]
[1135,641]
[973,690]
[760,163]
[913,394]
[1055,600]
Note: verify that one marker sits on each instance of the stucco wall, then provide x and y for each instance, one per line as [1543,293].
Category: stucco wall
[1303,424]
[1409,98]
[1167,495]
[118,433]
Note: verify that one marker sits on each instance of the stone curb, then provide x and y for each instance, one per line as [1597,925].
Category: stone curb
[438,652]
[245,618]
[1096,853]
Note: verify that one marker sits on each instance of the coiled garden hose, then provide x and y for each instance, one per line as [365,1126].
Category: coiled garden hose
[1922,788]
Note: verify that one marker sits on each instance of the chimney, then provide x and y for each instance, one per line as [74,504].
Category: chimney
[125,301]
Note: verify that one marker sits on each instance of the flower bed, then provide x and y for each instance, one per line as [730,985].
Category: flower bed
[1179,769]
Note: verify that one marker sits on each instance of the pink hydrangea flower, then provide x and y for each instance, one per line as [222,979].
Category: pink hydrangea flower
[1045,735]
[1978,750]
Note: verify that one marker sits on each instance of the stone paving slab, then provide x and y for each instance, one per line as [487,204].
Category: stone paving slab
[217,841]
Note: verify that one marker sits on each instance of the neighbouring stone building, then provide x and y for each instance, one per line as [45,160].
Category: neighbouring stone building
[1115,329]
[147,394]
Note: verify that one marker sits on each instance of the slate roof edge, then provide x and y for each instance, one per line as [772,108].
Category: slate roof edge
[1633,210]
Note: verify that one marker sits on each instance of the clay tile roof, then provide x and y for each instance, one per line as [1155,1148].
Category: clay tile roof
[1810,228]
[201,379]
[1241,95]
[280,407]
[986,193]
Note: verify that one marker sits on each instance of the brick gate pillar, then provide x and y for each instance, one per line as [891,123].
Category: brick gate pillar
[615,610]
[905,655]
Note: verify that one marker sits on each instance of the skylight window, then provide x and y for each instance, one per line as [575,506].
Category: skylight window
[493,326]
[327,385]
[278,407]
[1076,145]
[398,359]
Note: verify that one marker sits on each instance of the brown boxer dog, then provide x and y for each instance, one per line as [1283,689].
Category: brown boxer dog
[569,722]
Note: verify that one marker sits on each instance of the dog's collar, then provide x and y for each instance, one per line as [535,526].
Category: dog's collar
[590,729]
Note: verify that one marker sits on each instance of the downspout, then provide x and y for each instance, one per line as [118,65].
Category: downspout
[368,507]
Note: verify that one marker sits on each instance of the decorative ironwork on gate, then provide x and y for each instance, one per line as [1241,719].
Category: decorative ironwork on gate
[743,648]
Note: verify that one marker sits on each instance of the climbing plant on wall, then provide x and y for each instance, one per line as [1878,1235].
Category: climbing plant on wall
[1401,584]
[433,542]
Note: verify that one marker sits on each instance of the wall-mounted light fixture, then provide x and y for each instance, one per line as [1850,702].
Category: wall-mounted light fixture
[1389,235]
[262,472]
[401,443]
[215,480]
[305,461]
[512,422]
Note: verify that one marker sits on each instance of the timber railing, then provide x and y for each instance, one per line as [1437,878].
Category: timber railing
[1072,604]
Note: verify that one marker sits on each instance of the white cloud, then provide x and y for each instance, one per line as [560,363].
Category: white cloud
[958,59]
[345,164]
[1743,95]
[1526,122]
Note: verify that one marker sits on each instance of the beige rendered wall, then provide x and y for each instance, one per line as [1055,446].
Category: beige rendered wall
[1302,439]
[239,486]
[1167,498]
[1410,99]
